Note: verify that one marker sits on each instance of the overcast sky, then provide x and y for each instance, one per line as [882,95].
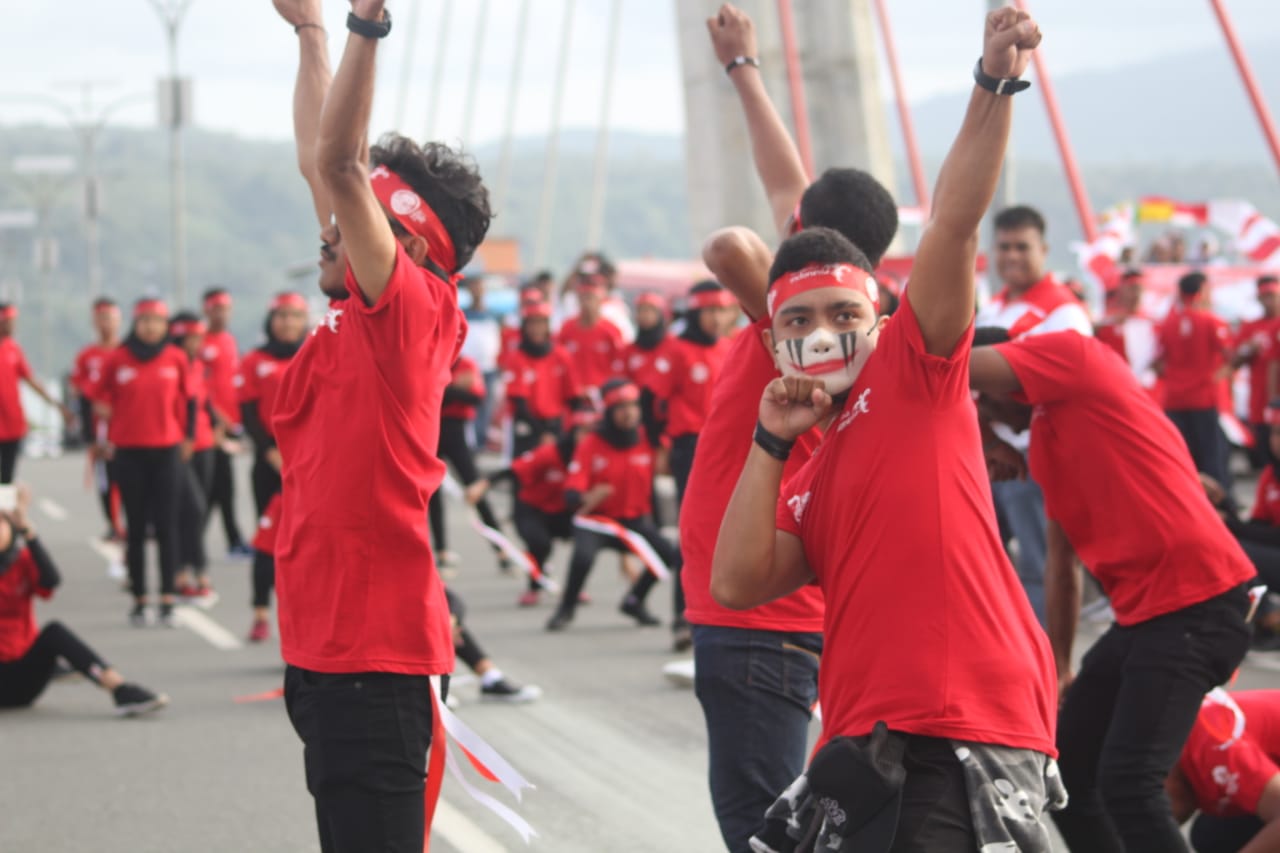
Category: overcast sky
[243,57]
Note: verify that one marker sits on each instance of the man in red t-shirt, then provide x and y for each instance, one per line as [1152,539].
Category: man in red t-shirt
[1130,332]
[1137,516]
[221,356]
[13,370]
[1195,355]
[593,342]
[935,674]
[86,373]
[363,619]
[1257,345]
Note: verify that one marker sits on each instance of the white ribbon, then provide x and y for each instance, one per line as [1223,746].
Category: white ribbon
[634,542]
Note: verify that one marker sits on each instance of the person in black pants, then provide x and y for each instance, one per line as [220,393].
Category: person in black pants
[494,685]
[85,376]
[29,657]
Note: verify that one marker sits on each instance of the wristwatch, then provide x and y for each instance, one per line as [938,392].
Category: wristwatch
[998,85]
[370,29]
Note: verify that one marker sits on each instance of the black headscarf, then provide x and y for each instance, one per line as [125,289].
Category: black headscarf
[531,349]
[143,351]
[649,339]
[275,347]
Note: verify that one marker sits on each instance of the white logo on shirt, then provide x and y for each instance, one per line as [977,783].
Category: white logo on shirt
[264,523]
[699,373]
[265,368]
[125,375]
[640,459]
[1228,782]
[798,505]
[210,353]
[555,476]
[636,362]
[1273,494]
[860,407]
[599,463]
[329,322]
[662,365]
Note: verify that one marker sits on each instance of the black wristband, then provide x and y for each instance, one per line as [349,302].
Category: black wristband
[370,29]
[739,61]
[778,448]
[998,85]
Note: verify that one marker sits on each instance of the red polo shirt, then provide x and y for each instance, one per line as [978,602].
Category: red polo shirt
[13,369]
[148,399]
[1193,346]
[628,470]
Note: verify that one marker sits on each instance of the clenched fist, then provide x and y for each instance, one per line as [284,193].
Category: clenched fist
[732,34]
[1008,41]
[792,405]
[298,12]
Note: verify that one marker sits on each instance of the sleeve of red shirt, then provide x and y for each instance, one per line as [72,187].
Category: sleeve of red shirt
[946,379]
[514,378]
[248,389]
[1252,769]
[662,373]
[408,307]
[1049,367]
[1223,333]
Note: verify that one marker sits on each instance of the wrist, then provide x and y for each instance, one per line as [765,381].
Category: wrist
[739,62]
[775,445]
[301,29]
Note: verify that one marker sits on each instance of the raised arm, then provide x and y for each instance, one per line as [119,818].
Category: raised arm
[740,260]
[309,90]
[942,290]
[342,154]
[778,161]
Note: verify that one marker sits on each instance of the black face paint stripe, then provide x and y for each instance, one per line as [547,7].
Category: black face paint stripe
[847,346]
[795,347]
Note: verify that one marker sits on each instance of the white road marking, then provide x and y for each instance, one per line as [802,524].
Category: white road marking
[202,625]
[53,509]
[109,551]
[462,832]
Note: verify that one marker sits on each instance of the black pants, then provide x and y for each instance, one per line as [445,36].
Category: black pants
[224,496]
[1204,438]
[539,530]
[935,811]
[365,737]
[266,484]
[1211,834]
[465,645]
[682,449]
[150,487]
[104,475]
[454,449]
[23,680]
[193,510]
[9,460]
[587,543]
[264,578]
[1126,717]
[1260,456]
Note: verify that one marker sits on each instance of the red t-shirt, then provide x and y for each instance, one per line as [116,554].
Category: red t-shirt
[86,373]
[17,617]
[222,356]
[1193,345]
[927,626]
[13,368]
[597,350]
[1266,506]
[198,390]
[683,378]
[264,540]
[629,471]
[723,446]
[258,381]
[1232,753]
[640,362]
[547,383]
[464,411]
[542,474]
[1117,476]
[357,418]
[510,343]
[1264,335]
[148,399]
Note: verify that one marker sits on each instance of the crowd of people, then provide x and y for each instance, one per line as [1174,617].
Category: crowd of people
[884,496]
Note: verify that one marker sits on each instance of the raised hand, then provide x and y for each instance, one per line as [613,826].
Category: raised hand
[298,12]
[370,10]
[792,405]
[732,34]
[1010,37]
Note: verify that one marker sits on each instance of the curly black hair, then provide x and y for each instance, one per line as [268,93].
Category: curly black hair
[854,203]
[816,246]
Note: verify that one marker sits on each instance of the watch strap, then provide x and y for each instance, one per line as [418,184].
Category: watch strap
[370,29]
[998,85]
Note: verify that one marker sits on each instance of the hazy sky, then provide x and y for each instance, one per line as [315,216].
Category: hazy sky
[243,57]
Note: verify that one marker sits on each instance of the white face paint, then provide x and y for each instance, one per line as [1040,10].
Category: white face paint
[835,358]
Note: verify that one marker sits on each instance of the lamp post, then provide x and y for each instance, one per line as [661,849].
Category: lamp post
[175,114]
[45,179]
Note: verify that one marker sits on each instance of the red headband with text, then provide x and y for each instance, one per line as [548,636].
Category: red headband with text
[653,300]
[289,300]
[540,308]
[151,306]
[415,215]
[218,300]
[9,312]
[583,417]
[1268,285]
[710,299]
[182,328]
[815,276]
[625,393]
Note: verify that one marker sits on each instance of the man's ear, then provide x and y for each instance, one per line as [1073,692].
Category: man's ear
[415,247]
[881,322]
[766,338]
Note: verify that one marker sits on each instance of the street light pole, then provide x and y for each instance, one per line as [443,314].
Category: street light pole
[174,111]
[46,181]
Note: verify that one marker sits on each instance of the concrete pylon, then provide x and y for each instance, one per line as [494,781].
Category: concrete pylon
[847,121]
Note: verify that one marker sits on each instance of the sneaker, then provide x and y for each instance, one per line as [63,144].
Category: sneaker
[637,611]
[529,598]
[560,620]
[132,700]
[189,591]
[204,598]
[260,632]
[452,702]
[503,690]
[240,551]
[138,616]
[166,618]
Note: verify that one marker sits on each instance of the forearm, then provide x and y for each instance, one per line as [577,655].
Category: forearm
[776,157]
[250,417]
[967,181]
[1273,380]
[38,386]
[193,411]
[310,89]
[1062,582]
[740,260]
[744,557]
[341,142]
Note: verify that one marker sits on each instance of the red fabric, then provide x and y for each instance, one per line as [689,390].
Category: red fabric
[1146,531]
[222,356]
[1266,506]
[258,381]
[629,472]
[683,378]
[510,340]
[597,350]
[264,539]
[1021,315]
[1264,334]
[1111,333]
[639,363]
[1227,775]
[1193,345]
[723,446]
[464,411]
[13,368]
[86,372]
[17,617]
[357,418]
[542,474]
[148,399]
[198,390]
[927,626]
[547,383]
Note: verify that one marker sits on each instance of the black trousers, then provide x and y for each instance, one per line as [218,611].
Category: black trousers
[9,460]
[1211,834]
[224,496]
[453,448]
[266,484]
[1125,719]
[465,645]
[935,811]
[587,544]
[1260,455]
[150,486]
[538,530]
[1204,438]
[193,510]
[264,578]
[683,448]
[23,680]
[365,738]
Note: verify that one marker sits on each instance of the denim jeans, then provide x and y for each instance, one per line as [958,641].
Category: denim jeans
[1022,504]
[1124,721]
[756,689]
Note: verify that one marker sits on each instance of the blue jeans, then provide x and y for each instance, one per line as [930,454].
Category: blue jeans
[1022,504]
[756,689]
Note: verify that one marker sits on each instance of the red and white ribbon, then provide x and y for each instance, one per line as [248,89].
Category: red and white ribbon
[499,539]
[635,543]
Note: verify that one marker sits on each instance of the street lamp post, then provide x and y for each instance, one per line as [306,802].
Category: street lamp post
[46,178]
[175,113]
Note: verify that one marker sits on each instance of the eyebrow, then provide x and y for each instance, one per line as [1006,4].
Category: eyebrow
[840,306]
[795,309]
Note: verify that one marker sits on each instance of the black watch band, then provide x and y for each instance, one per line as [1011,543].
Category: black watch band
[998,85]
[370,29]
[778,448]
[739,61]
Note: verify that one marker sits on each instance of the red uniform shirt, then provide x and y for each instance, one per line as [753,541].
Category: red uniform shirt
[86,373]
[13,368]
[264,540]
[1263,335]
[542,474]
[1266,506]
[684,376]
[1193,345]
[927,626]
[510,338]
[1117,476]
[17,616]
[464,411]
[148,399]
[722,452]
[357,418]
[629,471]
[258,381]
[222,356]
[1232,753]
[640,362]
[198,390]
[546,383]
[597,350]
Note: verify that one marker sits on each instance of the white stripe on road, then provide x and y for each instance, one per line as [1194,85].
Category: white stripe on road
[462,832]
[53,509]
[109,551]
[215,634]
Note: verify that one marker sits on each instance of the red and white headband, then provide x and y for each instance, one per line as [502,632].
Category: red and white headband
[218,300]
[710,299]
[816,276]
[9,312]
[415,215]
[182,328]
[591,281]
[624,393]
[289,299]
[150,306]
[1268,285]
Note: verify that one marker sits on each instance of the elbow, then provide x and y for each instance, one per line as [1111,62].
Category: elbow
[729,592]
[338,168]
[720,246]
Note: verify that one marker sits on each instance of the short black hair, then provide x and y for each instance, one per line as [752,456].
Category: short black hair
[103,302]
[889,302]
[815,246]
[1267,279]
[706,286]
[1191,283]
[854,203]
[1020,216]
[448,181]
[987,336]
[211,292]
[1131,273]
